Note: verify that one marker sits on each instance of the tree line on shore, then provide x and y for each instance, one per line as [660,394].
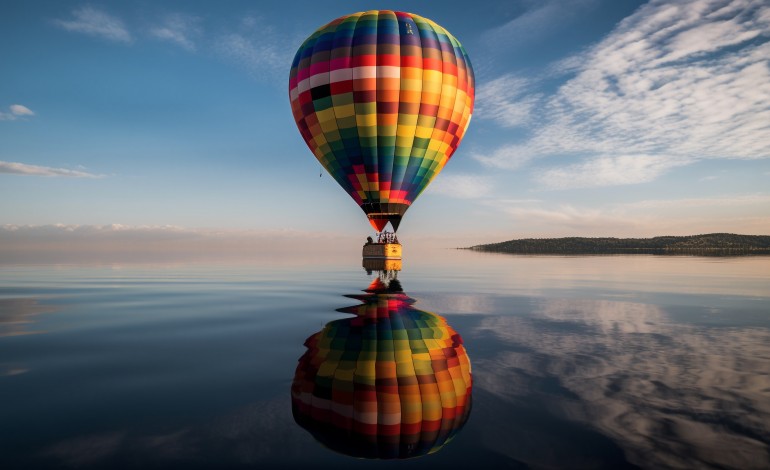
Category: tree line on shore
[713,244]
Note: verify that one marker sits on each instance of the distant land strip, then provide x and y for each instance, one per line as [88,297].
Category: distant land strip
[712,244]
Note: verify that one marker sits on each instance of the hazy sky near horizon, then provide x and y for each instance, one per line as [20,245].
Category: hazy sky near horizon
[593,117]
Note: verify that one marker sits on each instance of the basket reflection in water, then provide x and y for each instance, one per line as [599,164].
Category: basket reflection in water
[392,382]
[386,265]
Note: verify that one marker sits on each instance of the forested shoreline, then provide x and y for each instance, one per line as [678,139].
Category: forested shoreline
[713,244]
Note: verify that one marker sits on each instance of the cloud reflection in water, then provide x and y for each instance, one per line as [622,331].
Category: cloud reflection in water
[672,395]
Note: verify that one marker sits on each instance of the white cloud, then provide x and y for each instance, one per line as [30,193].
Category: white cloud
[739,213]
[688,81]
[658,205]
[94,22]
[539,21]
[505,100]
[21,110]
[152,243]
[15,168]
[462,186]
[544,18]
[608,171]
[251,42]
[179,29]
[16,111]
[509,157]
[567,219]
[257,46]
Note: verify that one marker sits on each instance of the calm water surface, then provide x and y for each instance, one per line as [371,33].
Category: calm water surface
[576,362]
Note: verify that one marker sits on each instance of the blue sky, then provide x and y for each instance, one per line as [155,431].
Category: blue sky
[593,117]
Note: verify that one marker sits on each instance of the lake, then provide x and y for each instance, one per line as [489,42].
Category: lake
[576,362]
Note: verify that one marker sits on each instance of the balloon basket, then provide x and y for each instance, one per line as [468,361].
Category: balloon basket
[383,251]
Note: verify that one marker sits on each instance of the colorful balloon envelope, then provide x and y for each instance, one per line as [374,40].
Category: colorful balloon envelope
[392,382]
[382,98]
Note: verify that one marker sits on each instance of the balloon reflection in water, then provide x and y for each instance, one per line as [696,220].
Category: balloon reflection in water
[392,382]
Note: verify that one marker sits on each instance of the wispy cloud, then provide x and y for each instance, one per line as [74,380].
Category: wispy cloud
[566,219]
[543,18]
[608,171]
[462,186]
[95,22]
[508,157]
[15,168]
[180,29]
[673,83]
[259,47]
[537,21]
[154,243]
[690,203]
[742,213]
[21,110]
[16,111]
[249,41]
[506,100]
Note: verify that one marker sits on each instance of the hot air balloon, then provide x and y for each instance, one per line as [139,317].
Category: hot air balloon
[391,382]
[382,98]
